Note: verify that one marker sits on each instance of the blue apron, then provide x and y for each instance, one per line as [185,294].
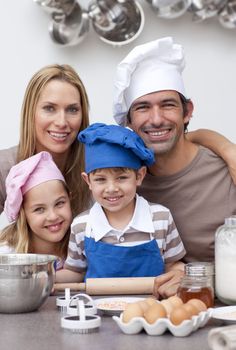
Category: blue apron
[108,260]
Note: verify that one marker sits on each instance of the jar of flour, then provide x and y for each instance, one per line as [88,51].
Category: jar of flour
[225,261]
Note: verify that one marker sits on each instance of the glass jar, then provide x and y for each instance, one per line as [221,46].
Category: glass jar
[225,261]
[198,282]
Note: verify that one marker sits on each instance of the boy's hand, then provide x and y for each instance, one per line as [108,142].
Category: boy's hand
[167,284]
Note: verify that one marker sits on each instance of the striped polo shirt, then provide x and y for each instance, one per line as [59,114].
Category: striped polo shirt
[150,221]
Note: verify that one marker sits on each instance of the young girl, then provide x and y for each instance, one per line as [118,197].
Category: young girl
[38,207]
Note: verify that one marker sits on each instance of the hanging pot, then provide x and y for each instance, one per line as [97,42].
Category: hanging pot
[69,30]
[116,22]
[203,9]
[57,6]
[170,9]
[227,16]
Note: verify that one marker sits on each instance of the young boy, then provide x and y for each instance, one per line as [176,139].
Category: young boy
[122,235]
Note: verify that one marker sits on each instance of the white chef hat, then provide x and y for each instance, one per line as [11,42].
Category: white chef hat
[154,66]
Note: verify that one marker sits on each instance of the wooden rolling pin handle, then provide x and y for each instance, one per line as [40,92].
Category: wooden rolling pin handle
[73,286]
[111,286]
[122,286]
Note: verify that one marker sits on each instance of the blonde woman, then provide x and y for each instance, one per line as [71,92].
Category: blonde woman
[54,110]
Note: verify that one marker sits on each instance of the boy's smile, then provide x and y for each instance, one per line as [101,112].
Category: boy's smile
[115,189]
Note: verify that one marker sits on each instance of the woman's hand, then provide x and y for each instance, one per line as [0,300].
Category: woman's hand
[229,156]
[219,144]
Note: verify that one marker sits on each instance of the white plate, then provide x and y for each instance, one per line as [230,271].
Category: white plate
[114,306]
[225,313]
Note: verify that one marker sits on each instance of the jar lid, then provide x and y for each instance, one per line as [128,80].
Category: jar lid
[231,221]
[199,269]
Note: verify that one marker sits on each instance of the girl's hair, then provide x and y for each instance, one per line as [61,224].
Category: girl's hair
[18,235]
[79,192]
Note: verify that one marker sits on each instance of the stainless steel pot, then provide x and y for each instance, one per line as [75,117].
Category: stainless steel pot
[170,9]
[203,9]
[116,22]
[26,281]
[227,16]
[57,6]
[69,30]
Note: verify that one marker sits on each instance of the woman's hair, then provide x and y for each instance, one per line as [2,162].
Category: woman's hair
[79,192]
[18,235]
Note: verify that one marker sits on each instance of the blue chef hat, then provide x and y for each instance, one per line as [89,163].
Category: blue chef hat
[109,146]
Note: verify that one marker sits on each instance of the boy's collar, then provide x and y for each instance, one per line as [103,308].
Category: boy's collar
[143,223]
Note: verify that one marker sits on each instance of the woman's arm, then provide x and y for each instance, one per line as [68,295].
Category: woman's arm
[218,144]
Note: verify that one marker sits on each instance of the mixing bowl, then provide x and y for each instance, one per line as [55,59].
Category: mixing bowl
[26,281]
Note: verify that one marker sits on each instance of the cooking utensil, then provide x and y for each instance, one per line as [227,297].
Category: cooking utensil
[170,8]
[111,286]
[63,302]
[81,322]
[203,9]
[71,29]
[116,22]
[227,16]
[89,305]
[26,281]
[222,338]
[57,6]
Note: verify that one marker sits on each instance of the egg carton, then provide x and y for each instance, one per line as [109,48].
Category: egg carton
[137,324]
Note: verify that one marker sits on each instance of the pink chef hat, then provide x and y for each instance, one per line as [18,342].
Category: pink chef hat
[26,175]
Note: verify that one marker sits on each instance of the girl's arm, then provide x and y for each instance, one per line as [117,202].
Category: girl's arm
[218,144]
[68,276]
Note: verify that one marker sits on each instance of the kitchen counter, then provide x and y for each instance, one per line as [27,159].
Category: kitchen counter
[41,330]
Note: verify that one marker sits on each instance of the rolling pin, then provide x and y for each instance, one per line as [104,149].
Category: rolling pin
[111,286]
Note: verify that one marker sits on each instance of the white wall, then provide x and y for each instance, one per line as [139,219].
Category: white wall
[210,74]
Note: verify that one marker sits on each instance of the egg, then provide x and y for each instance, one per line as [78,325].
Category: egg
[191,309]
[199,304]
[132,310]
[144,305]
[150,301]
[175,301]
[167,305]
[154,312]
[178,315]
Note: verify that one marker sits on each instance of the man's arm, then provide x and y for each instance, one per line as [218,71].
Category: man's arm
[167,284]
[218,144]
